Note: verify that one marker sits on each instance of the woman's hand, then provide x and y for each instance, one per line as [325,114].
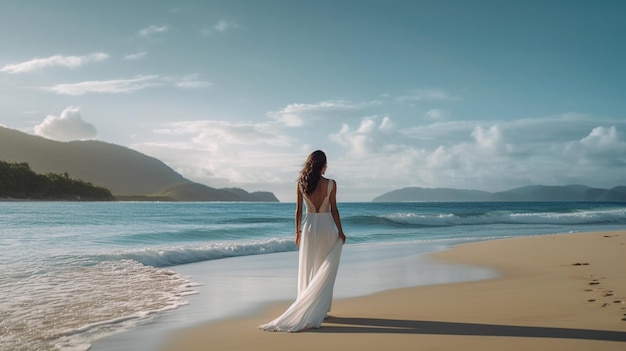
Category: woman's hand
[342,236]
[298,239]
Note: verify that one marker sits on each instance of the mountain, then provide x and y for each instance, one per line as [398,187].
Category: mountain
[427,194]
[544,193]
[539,193]
[189,191]
[128,174]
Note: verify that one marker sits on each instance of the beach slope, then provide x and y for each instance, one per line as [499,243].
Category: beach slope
[556,292]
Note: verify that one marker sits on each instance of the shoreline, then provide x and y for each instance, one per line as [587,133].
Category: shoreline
[238,286]
[561,291]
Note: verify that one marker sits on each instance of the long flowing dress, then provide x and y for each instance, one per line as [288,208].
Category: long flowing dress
[320,251]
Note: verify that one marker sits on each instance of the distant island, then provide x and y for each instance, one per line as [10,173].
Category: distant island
[18,181]
[128,174]
[531,193]
[190,191]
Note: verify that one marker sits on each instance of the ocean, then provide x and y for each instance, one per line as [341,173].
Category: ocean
[74,272]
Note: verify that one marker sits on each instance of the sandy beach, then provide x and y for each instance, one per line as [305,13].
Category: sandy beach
[555,292]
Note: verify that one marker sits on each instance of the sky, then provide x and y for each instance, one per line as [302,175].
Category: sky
[485,95]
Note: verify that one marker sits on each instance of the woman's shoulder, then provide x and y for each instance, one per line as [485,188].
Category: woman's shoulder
[329,181]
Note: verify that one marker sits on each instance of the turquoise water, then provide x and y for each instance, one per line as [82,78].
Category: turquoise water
[73,269]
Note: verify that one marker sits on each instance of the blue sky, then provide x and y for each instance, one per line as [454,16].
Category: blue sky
[485,95]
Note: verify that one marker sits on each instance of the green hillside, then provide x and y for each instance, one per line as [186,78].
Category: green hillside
[189,191]
[122,170]
[18,181]
[130,175]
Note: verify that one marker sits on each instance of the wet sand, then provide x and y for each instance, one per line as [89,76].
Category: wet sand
[555,292]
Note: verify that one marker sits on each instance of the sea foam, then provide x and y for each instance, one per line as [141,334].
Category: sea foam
[172,256]
[70,307]
[502,217]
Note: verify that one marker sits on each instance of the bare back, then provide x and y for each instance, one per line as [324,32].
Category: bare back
[318,201]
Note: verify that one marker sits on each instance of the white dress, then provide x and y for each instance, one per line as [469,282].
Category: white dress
[320,251]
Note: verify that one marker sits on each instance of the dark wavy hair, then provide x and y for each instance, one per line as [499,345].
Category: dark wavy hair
[312,172]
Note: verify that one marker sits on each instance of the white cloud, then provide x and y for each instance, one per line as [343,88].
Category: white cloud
[69,126]
[251,155]
[428,94]
[386,124]
[601,137]
[153,29]
[488,139]
[218,28]
[221,152]
[52,61]
[602,147]
[441,158]
[223,26]
[118,86]
[436,114]
[192,84]
[377,153]
[467,154]
[191,81]
[114,86]
[296,115]
[135,57]
[369,137]
[212,134]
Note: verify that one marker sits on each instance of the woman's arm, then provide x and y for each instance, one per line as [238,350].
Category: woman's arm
[298,214]
[335,212]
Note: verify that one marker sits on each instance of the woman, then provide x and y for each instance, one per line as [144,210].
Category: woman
[320,239]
